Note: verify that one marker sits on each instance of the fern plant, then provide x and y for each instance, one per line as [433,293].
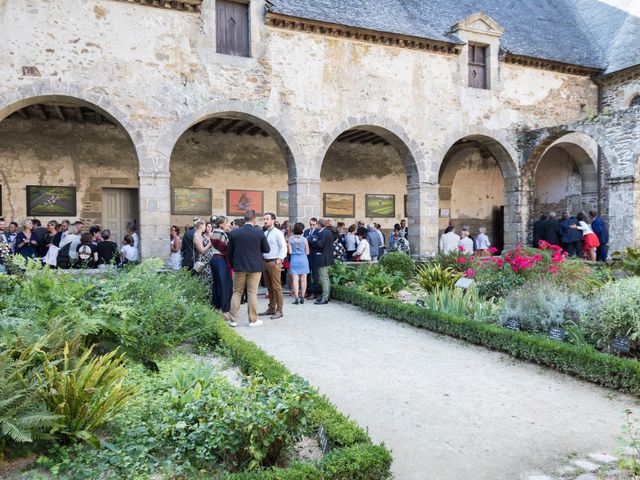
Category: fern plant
[432,276]
[23,415]
[86,393]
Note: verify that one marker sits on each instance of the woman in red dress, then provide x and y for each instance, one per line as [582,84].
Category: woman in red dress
[590,240]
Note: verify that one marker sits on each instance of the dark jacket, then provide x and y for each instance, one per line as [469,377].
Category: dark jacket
[600,229]
[570,235]
[312,238]
[537,233]
[246,246]
[551,231]
[188,253]
[324,248]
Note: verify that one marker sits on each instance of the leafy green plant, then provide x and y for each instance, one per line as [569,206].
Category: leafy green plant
[23,415]
[398,263]
[616,311]
[538,306]
[84,392]
[431,276]
[459,302]
[187,384]
[383,284]
[630,260]
[342,273]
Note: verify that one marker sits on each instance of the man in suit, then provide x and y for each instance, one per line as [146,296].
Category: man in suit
[537,230]
[311,234]
[551,230]
[187,248]
[324,259]
[600,229]
[247,245]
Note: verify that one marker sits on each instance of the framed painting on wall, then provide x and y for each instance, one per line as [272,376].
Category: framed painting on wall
[239,201]
[383,205]
[190,201]
[341,205]
[45,201]
[282,204]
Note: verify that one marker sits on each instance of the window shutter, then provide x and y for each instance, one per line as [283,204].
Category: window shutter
[477,66]
[232,28]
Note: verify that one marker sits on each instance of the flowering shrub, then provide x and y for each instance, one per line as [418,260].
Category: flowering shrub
[496,276]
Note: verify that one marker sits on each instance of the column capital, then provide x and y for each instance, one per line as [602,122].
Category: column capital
[303,181]
[145,174]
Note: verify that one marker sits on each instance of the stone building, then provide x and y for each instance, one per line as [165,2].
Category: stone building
[480,113]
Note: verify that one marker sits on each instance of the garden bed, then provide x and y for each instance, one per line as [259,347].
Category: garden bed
[164,413]
[516,304]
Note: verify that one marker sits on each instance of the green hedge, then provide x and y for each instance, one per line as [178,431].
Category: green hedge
[584,362]
[353,456]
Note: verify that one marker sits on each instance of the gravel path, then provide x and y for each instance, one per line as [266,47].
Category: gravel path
[447,409]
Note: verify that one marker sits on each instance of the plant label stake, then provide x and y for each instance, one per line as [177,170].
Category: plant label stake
[621,344]
[559,334]
[464,283]
[420,303]
[513,325]
[322,438]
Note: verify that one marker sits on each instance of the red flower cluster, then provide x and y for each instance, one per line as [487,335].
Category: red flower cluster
[519,260]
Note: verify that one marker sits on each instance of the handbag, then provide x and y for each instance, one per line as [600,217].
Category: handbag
[199,266]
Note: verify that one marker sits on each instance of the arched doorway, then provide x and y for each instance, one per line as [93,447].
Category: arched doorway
[371,174]
[566,176]
[62,158]
[229,162]
[477,182]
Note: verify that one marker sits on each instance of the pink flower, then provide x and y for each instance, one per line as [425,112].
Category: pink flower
[460,248]
[470,273]
[493,250]
[553,269]
[462,260]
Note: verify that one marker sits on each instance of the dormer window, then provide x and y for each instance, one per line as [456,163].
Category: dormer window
[635,101]
[478,66]
[232,28]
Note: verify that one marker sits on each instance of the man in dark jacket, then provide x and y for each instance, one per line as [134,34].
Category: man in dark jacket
[187,249]
[324,259]
[246,246]
[311,234]
[571,237]
[600,229]
[551,231]
[537,230]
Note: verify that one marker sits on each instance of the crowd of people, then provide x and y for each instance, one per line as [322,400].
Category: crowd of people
[450,241]
[68,244]
[233,257]
[579,235]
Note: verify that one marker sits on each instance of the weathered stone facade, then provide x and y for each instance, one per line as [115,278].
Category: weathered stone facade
[155,72]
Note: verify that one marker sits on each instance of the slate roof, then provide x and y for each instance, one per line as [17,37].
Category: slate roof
[557,30]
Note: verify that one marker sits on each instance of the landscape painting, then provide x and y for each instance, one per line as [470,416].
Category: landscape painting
[282,204]
[239,201]
[342,205]
[191,201]
[380,206]
[51,201]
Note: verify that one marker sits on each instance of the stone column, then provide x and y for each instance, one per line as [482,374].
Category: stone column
[304,199]
[516,213]
[624,206]
[155,214]
[422,207]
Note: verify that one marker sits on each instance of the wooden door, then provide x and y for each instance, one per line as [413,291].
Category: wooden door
[120,208]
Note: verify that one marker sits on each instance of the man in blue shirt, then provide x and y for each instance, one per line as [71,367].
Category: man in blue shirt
[600,229]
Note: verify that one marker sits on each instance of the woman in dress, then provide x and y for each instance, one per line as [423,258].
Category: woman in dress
[176,244]
[222,287]
[202,244]
[351,242]
[298,248]
[590,241]
[26,242]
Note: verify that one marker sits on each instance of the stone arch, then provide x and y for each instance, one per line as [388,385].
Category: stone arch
[632,100]
[293,155]
[413,160]
[454,155]
[45,91]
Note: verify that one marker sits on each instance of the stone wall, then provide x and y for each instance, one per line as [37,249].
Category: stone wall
[558,184]
[156,72]
[618,90]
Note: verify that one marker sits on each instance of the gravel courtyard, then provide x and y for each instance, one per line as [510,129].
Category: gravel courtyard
[448,410]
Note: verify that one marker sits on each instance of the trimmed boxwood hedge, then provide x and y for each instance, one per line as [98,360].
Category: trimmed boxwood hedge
[352,457]
[584,362]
